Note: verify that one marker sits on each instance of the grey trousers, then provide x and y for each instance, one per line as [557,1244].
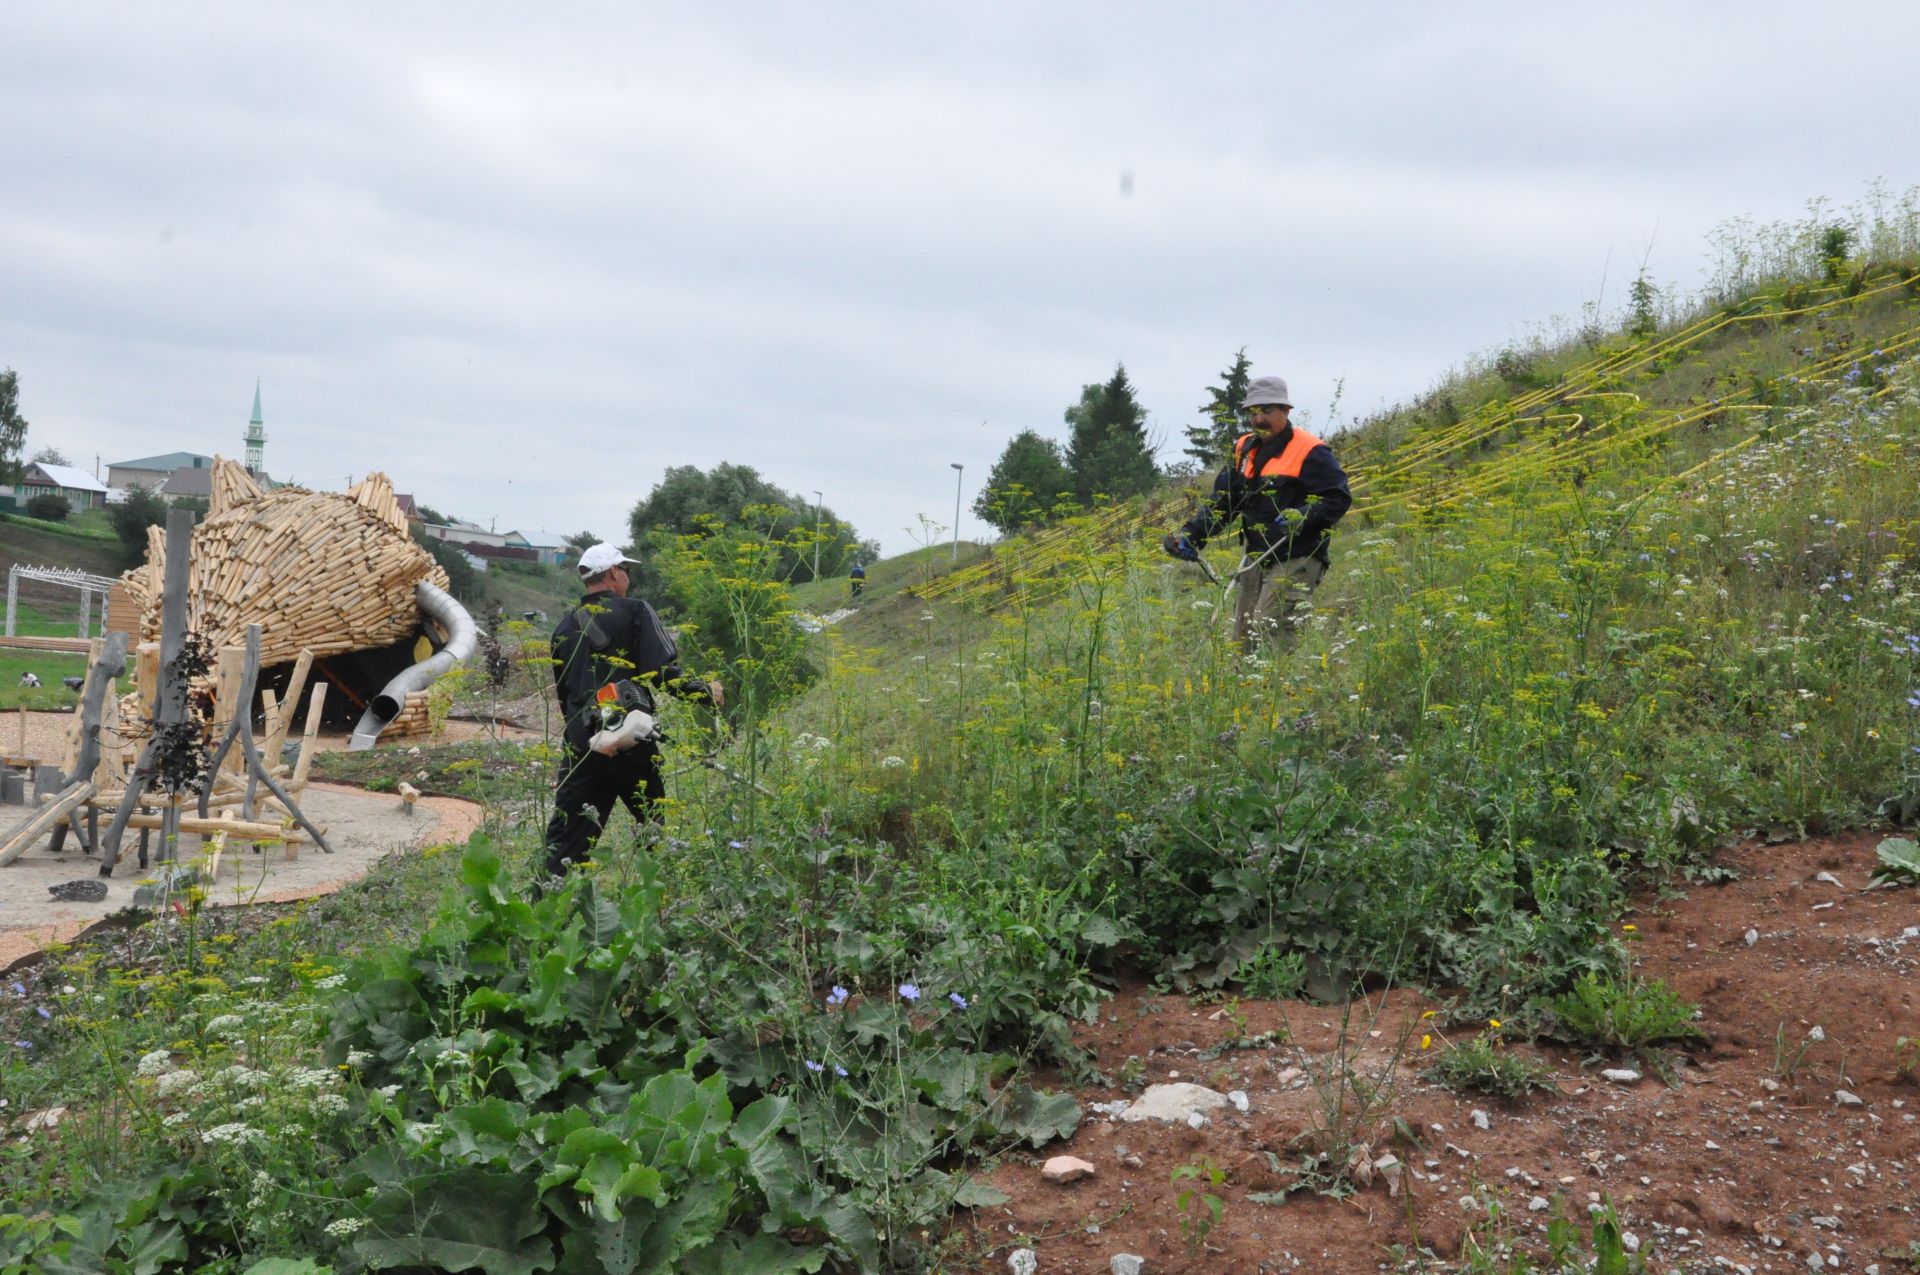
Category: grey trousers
[1268,602]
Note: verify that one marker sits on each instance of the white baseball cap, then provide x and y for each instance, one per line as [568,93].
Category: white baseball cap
[602,557]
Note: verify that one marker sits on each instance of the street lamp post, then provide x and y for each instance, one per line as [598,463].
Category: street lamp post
[959,471]
[817,498]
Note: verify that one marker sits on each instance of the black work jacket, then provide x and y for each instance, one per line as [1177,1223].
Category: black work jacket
[605,639]
[1262,502]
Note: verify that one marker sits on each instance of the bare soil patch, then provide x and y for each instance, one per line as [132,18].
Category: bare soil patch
[1744,1163]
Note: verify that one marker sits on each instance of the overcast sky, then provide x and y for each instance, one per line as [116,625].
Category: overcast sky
[523,258]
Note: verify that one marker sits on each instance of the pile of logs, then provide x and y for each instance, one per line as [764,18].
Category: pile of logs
[317,571]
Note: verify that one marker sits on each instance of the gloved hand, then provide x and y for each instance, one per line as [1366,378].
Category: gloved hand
[1177,544]
[1286,527]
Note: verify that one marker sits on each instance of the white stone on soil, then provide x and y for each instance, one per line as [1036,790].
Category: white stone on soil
[1171,1103]
[1621,1075]
[1127,1264]
[1023,1261]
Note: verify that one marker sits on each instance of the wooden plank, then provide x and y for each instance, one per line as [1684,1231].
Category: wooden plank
[296,686]
[309,743]
[49,816]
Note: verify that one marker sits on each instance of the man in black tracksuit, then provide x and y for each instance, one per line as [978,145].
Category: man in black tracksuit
[608,638]
[1287,489]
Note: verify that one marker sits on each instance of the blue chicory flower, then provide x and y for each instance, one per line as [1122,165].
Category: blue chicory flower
[43,1011]
[814,1066]
[908,992]
[838,996]
[838,1070]
[959,1001]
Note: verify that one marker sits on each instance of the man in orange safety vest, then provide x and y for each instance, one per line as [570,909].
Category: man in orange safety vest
[1287,490]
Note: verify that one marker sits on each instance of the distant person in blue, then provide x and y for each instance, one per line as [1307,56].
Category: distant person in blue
[856,579]
[1286,489]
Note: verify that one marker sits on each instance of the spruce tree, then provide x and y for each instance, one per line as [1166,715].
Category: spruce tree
[1210,441]
[1107,451]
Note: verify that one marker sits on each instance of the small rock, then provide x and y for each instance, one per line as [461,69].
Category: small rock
[1629,1241]
[1753,936]
[1821,907]
[1113,1108]
[1711,1145]
[1538,1204]
[1133,1162]
[1197,1121]
[89,890]
[1770,1085]
[1829,878]
[1127,1264]
[1621,1075]
[1062,1169]
[47,1118]
[1816,1033]
[1847,1098]
[1288,1075]
[1238,1097]
[1481,1120]
[1826,1223]
[1023,1261]
[1816,1262]
[1169,1103]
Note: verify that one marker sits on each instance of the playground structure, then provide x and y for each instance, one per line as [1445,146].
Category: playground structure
[235,616]
[336,576]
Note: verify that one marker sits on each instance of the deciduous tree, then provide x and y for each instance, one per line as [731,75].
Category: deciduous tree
[13,428]
[1028,480]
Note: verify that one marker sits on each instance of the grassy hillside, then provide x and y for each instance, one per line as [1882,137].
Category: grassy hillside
[1601,607]
[81,545]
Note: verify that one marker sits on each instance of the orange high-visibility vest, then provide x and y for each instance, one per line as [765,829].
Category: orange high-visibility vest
[1285,465]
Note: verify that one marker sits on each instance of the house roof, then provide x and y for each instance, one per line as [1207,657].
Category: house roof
[166,461]
[64,476]
[541,540]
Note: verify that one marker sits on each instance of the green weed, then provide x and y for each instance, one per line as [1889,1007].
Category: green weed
[1486,1065]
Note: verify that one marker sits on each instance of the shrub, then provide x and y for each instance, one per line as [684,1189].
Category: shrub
[49,508]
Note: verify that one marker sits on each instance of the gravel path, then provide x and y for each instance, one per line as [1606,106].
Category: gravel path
[361,827]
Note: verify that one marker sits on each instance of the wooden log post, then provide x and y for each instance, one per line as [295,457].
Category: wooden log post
[170,691]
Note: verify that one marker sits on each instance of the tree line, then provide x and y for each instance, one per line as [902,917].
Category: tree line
[1108,453]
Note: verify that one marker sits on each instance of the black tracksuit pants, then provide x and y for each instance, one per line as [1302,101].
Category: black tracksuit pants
[590,783]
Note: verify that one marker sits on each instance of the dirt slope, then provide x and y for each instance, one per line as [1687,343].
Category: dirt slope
[1745,1159]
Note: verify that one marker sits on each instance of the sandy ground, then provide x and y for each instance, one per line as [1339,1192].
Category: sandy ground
[44,735]
[360,827]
